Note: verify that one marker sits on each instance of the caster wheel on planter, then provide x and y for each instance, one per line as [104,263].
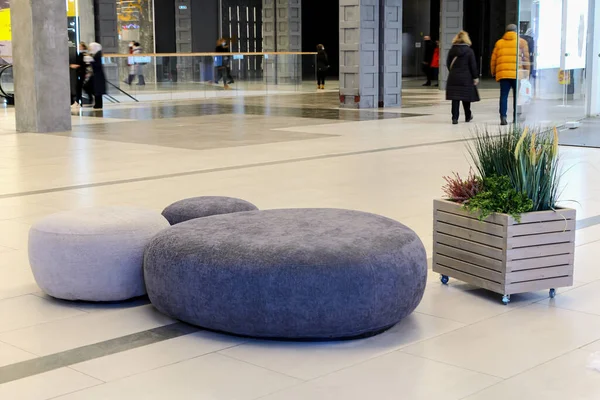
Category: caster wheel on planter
[506,299]
[444,279]
[552,293]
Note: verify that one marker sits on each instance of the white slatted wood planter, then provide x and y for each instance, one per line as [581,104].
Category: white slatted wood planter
[501,254]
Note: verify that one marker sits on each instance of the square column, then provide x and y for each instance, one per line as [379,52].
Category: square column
[359,53]
[282,32]
[391,54]
[450,24]
[370,53]
[41,65]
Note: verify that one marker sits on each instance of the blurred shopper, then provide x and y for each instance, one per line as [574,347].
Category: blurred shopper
[510,55]
[435,64]
[97,82]
[428,49]
[322,66]
[82,75]
[528,37]
[462,77]
[222,64]
[130,64]
[136,66]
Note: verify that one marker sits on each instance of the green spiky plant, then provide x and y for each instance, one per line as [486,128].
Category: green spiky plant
[529,158]
[537,173]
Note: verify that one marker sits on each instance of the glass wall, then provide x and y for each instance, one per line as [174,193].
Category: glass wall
[553,82]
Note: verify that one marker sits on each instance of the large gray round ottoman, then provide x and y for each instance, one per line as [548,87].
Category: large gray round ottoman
[205,206]
[93,254]
[288,274]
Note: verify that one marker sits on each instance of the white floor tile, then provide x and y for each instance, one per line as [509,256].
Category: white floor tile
[82,330]
[584,298]
[47,385]
[464,303]
[11,355]
[311,360]
[586,262]
[511,343]
[14,258]
[209,377]
[14,235]
[23,311]
[391,377]
[16,281]
[146,358]
[566,377]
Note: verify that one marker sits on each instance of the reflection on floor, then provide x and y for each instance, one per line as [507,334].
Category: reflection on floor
[280,151]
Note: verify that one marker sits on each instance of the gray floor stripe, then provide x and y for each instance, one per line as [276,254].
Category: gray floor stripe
[588,222]
[222,169]
[70,357]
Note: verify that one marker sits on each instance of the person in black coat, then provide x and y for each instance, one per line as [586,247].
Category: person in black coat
[428,50]
[80,67]
[222,63]
[322,66]
[97,82]
[463,77]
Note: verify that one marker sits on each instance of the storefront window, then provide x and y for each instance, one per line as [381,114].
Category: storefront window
[80,25]
[136,24]
[553,90]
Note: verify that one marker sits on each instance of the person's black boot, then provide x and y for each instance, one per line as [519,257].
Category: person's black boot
[469,118]
[427,83]
[454,122]
[503,121]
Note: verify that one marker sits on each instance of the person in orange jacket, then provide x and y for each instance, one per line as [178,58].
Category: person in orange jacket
[510,55]
[435,64]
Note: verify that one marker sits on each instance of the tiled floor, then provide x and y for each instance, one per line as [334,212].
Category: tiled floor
[294,150]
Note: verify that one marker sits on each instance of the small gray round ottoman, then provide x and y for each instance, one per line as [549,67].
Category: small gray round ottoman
[310,274]
[205,206]
[93,254]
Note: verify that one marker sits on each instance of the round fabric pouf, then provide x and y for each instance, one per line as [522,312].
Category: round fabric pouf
[93,254]
[206,206]
[288,274]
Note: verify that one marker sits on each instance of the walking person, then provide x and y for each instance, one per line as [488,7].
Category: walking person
[136,66]
[222,64]
[322,66]
[97,81]
[82,74]
[511,53]
[435,64]
[429,48]
[463,77]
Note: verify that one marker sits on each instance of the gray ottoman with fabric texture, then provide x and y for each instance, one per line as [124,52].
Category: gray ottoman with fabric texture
[205,206]
[93,254]
[288,274]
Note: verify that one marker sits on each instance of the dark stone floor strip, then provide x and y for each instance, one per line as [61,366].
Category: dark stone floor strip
[51,362]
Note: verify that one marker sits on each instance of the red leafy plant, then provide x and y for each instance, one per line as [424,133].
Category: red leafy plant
[462,190]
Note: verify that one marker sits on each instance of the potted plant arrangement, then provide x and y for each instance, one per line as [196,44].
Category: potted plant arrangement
[500,228]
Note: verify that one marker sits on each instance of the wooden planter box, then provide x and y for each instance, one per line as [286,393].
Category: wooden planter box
[501,254]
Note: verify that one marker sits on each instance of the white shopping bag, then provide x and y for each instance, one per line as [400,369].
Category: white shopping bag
[525,92]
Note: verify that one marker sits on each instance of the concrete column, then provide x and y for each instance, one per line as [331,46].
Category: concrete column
[282,32]
[41,65]
[451,23]
[87,24]
[391,56]
[359,53]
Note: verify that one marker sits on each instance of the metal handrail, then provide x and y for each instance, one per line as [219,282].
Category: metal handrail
[267,53]
[2,92]
[122,91]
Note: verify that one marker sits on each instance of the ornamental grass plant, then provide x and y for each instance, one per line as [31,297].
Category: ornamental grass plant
[518,171]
